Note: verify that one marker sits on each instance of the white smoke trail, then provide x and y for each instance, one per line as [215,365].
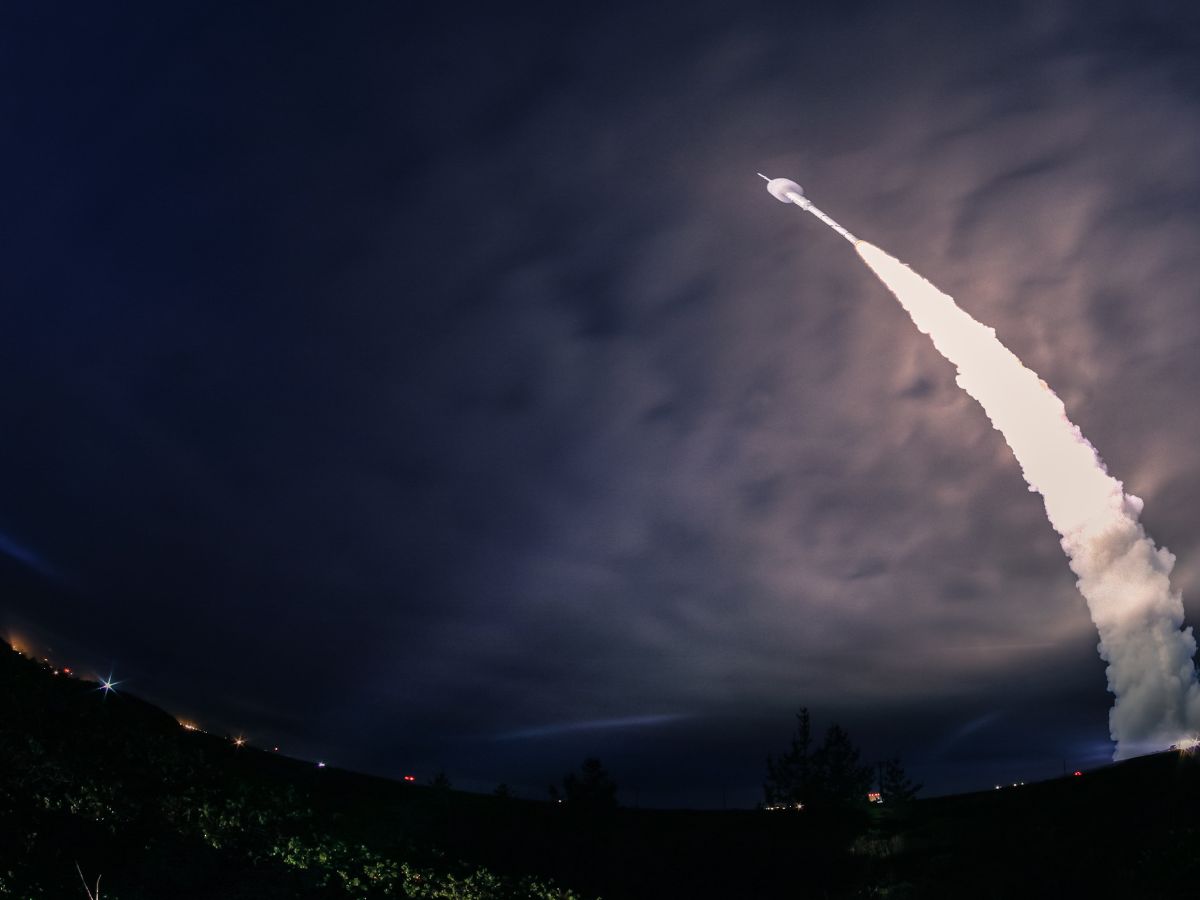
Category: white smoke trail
[1122,575]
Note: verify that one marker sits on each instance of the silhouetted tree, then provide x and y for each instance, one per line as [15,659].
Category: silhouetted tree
[440,781]
[843,780]
[592,790]
[894,783]
[503,792]
[830,776]
[790,777]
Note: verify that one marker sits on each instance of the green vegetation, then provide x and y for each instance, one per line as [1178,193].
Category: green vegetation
[116,786]
[119,787]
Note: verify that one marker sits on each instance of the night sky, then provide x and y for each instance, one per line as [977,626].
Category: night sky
[419,386]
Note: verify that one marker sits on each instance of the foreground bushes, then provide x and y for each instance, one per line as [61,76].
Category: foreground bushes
[118,788]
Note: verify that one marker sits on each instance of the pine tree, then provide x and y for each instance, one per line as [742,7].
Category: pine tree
[790,777]
[828,777]
[843,779]
[592,790]
[894,783]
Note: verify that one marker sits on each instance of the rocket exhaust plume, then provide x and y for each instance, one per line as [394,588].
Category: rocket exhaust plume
[1122,575]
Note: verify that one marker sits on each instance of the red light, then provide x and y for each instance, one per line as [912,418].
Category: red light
[1078,773]
[410,777]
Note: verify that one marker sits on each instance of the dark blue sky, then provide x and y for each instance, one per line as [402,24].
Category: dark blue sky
[440,388]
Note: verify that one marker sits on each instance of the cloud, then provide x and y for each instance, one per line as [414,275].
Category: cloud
[494,380]
[735,477]
[543,731]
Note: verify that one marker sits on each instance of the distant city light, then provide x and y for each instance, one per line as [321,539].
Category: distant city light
[1077,772]
[239,741]
[320,765]
[410,777]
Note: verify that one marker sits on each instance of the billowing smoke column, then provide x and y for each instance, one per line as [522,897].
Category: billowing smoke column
[1122,575]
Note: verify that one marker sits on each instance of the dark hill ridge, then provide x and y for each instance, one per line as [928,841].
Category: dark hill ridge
[1131,829]
[119,786]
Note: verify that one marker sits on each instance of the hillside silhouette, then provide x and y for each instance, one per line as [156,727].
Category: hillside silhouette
[117,786]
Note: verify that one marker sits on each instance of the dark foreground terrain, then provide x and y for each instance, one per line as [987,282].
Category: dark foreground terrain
[120,788]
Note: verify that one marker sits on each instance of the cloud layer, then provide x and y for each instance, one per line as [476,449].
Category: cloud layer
[466,373]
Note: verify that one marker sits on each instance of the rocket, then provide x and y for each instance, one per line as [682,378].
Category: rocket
[787,191]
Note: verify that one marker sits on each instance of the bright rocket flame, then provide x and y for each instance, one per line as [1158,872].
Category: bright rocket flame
[1122,575]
